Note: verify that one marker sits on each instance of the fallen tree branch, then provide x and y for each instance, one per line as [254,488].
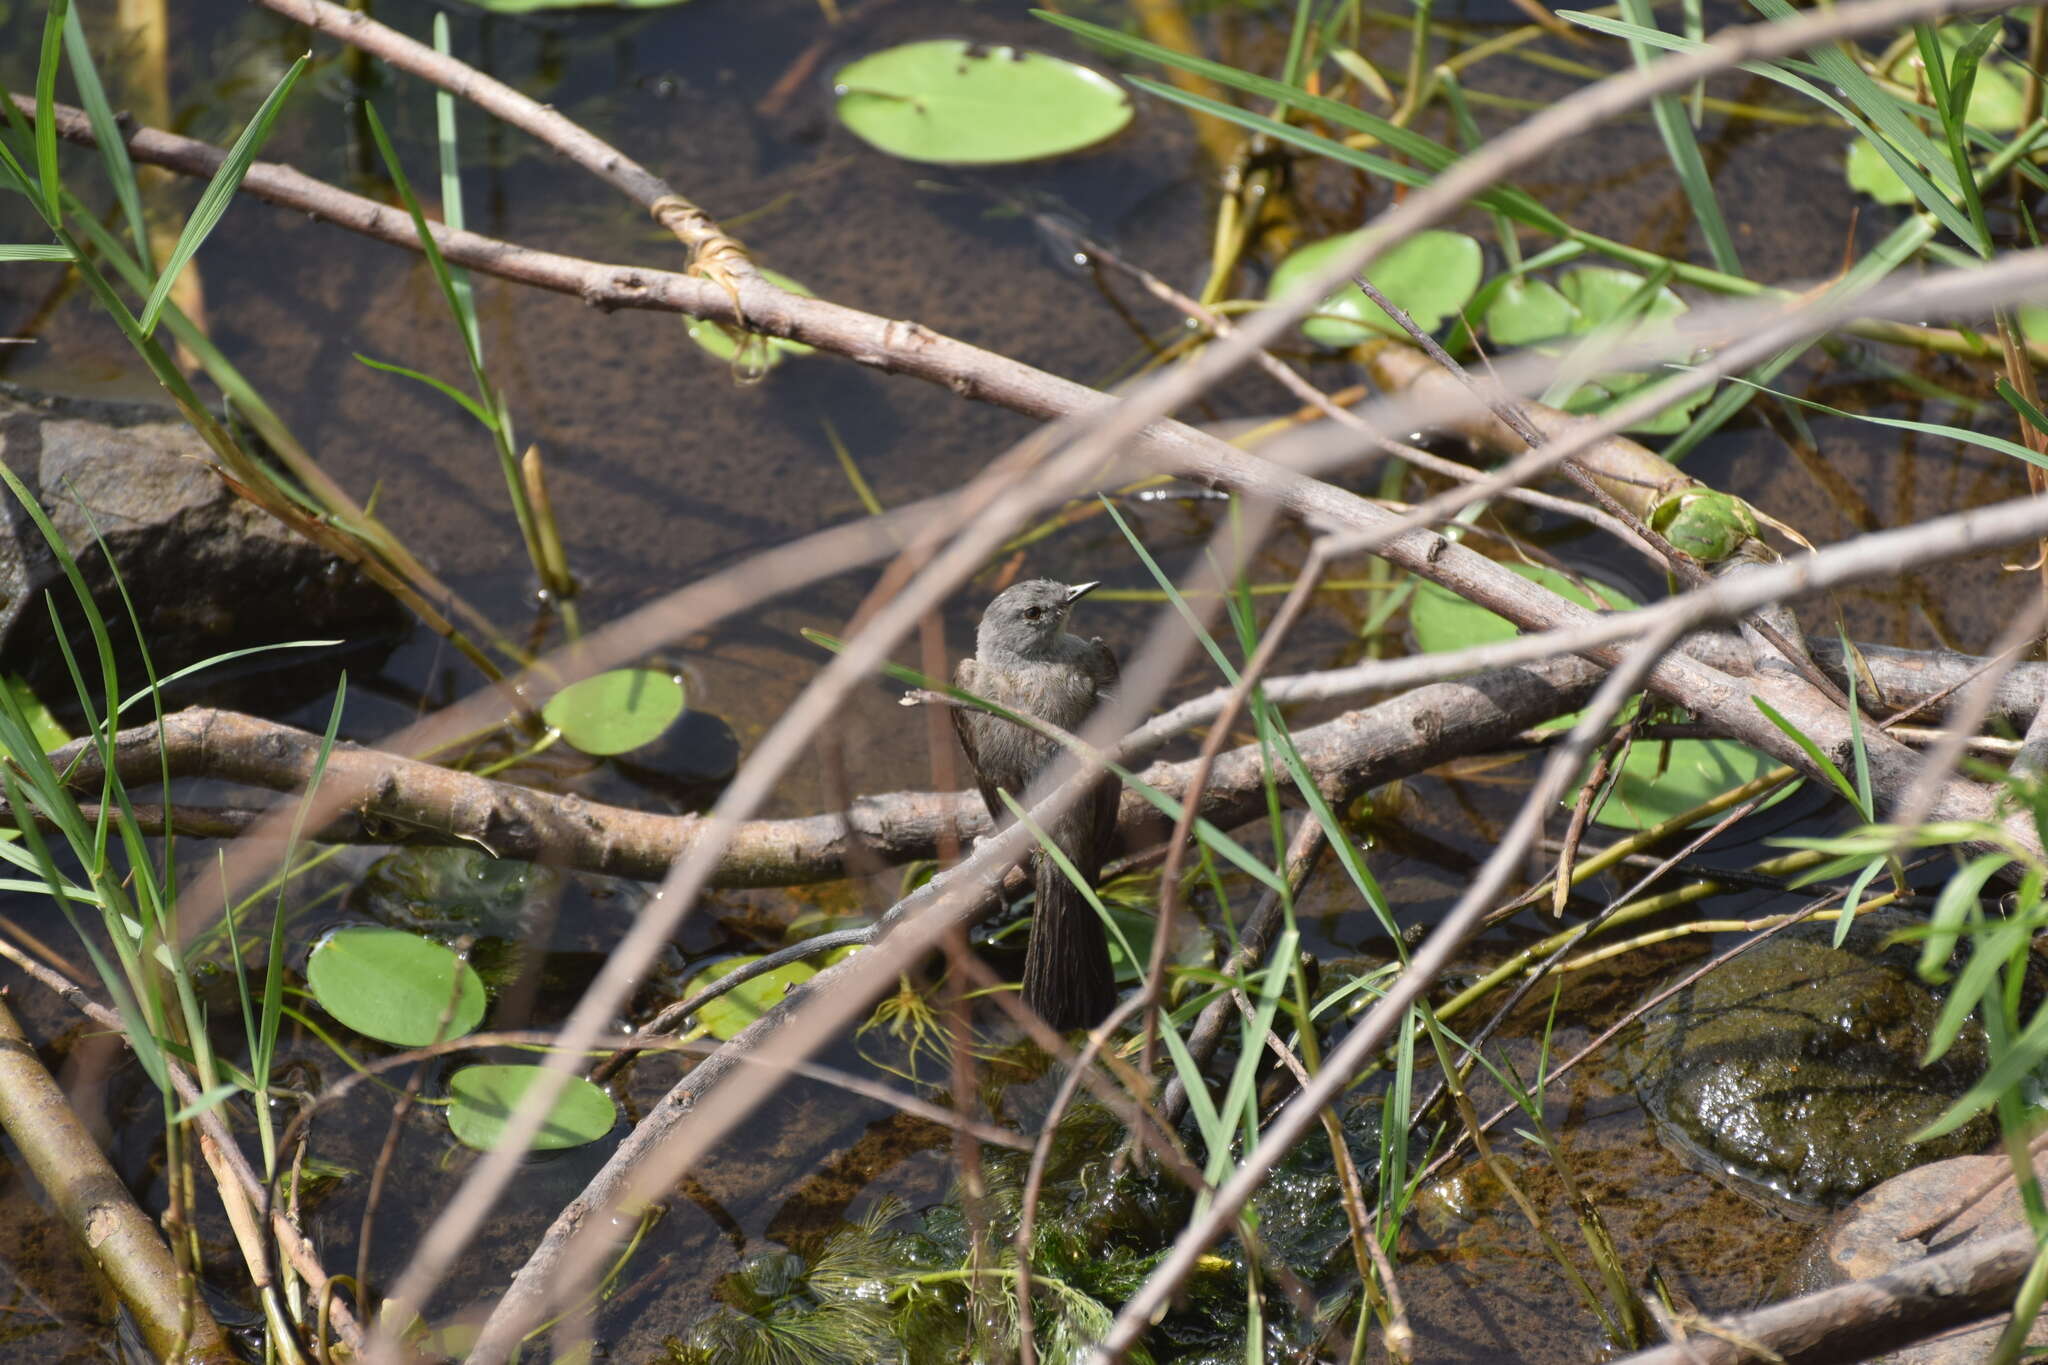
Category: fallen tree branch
[405,801]
[121,1241]
[1862,1318]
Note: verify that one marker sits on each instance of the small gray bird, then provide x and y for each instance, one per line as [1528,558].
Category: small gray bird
[1024,661]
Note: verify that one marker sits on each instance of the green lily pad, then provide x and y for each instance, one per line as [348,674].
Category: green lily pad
[737,1008]
[1659,779]
[484,1098]
[1668,777]
[42,722]
[1443,621]
[394,986]
[1430,277]
[1527,311]
[1871,174]
[724,342]
[954,103]
[617,711]
[1531,312]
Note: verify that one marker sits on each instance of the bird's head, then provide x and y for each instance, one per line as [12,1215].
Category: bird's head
[1027,617]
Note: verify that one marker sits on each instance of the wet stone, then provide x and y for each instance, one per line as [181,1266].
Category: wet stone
[206,571]
[1794,1069]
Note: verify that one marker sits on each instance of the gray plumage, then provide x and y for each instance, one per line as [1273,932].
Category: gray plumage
[1024,661]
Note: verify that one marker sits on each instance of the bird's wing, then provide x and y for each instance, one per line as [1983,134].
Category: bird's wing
[1102,667]
[965,720]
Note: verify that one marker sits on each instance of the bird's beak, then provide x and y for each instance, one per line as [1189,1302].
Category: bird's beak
[1079,591]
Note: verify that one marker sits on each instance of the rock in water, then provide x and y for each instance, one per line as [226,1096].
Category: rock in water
[206,571]
[1795,1067]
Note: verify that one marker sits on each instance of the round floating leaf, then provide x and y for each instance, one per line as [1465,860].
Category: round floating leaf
[737,1008]
[617,711]
[954,103]
[1659,779]
[484,1098]
[1430,277]
[1870,174]
[724,342]
[1601,293]
[1527,311]
[1587,297]
[1443,621]
[394,986]
[1667,777]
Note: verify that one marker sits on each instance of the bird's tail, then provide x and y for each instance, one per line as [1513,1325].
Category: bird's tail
[1067,975]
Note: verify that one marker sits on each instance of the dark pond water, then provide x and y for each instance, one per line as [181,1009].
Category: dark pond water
[662,469]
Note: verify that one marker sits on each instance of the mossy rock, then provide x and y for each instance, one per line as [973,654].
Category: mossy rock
[1795,1068]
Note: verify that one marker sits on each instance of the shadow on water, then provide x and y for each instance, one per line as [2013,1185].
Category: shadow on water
[662,469]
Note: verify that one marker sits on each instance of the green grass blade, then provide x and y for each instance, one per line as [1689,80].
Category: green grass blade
[220,191]
[1870,100]
[264,1047]
[451,195]
[92,96]
[30,251]
[1961,435]
[1810,749]
[440,386]
[1898,130]
[1668,111]
[47,175]
[2030,414]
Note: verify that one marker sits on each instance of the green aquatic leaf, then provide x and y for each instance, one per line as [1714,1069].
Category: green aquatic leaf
[1658,779]
[741,1006]
[724,342]
[394,986]
[1443,621]
[955,103]
[484,1098]
[1586,298]
[42,722]
[1430,276]
[1527,311]
[1869,174]
[617,711]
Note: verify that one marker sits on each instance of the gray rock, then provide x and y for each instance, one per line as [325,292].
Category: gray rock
[206,571]
[1795,1068]
[1927,1211]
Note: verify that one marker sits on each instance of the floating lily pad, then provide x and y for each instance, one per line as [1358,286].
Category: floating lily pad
[617,711]
[1430,277]
[724,342]
[1871,174]
[1527,311]
[1659,779]
[1531,312]
[954,103]
[737,1008]
[1668,777]
[394,986]
[484,1098]
[42,722]
[1443,621]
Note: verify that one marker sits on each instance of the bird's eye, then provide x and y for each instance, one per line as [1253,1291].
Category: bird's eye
[1033,613]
